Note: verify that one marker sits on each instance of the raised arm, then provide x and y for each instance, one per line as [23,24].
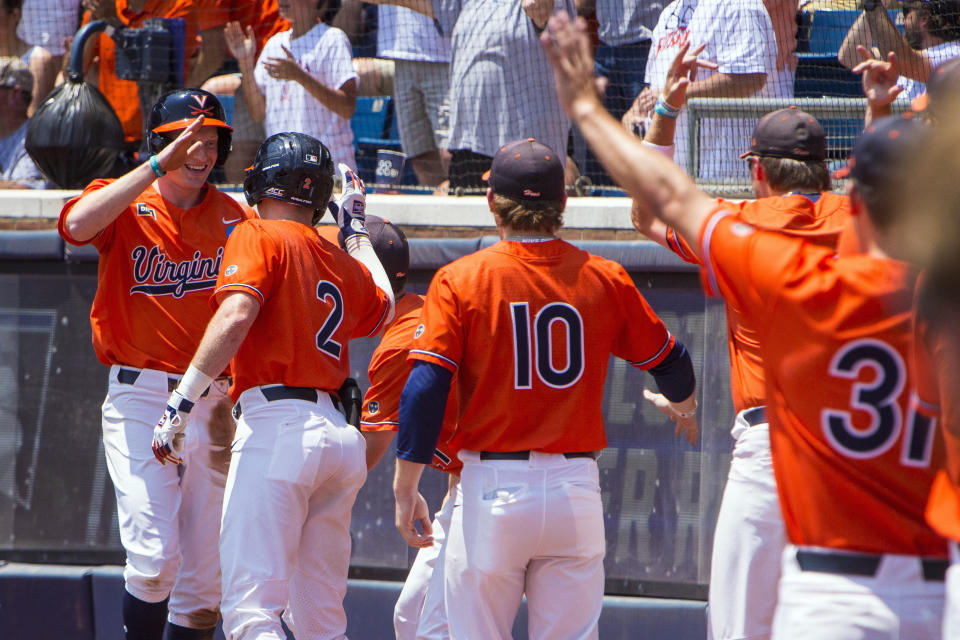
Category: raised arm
[648,176]
[97,209]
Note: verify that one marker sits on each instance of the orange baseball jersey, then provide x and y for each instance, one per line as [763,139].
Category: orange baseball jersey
[388,372]
[313,299]
[158,266]
[528,328]
[936,359]
[820,222]
[122,94]
[853,463]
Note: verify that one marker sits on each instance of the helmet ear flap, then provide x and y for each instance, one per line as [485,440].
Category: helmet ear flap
[224,146]
[158,142]
[253,186]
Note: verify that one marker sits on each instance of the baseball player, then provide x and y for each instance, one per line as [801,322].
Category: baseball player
[528,325]
[287,303]
[160,231]
[853,465]
[421,603]
[792,184]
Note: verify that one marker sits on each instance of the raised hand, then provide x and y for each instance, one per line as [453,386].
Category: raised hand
[174,155]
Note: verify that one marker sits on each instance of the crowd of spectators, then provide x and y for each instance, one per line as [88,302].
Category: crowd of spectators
[465,75]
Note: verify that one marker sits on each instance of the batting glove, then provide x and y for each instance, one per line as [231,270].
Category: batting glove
[350,208]
[168,435]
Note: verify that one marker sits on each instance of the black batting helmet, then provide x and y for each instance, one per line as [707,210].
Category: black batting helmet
[292,167]
[175,110]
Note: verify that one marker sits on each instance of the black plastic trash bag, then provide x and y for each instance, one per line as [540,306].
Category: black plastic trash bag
[75,136]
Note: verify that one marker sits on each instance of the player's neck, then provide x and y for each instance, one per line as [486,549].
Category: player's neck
[524,235]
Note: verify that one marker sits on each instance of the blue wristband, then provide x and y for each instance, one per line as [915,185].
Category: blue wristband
[157,171]
[666,110]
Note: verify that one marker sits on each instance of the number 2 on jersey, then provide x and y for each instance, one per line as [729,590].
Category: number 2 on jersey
[328,291]
[879,398]
[540,350]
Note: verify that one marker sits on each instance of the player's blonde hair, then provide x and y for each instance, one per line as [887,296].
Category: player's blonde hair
[788,174]
[525,215]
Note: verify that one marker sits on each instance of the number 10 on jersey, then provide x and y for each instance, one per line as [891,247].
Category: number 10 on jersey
[533,346]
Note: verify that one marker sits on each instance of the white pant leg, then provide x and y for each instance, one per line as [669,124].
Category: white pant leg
[148,493]
[517,517]
[895,604]
[195,599]
[433,619]
[426,573]
[564,584]
[951,612]
[319,581]
[295,470]
[491,539]
[748,542]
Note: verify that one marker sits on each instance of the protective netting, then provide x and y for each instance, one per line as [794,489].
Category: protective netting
[427,92]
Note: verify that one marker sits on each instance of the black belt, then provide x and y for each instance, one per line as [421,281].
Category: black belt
[862,564]
[755,416]
[283,392]
[130,376]
[525,455]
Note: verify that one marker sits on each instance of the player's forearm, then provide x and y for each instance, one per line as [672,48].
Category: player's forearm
[378,443]
[226,332]
[342,101]
[727,85]
[360,249]
[97,209]
[646,175]
[913,64]
[406,478]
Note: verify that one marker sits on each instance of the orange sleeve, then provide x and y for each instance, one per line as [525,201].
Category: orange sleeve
[747,266]
[388,375]
[849,242]
[246,264]
[680,247]
[100,240]
[644,340]
[439,338]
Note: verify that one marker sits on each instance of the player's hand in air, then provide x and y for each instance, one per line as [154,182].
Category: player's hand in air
[168,435]
[350,208]
[684,416]
[567,45]
[174,155]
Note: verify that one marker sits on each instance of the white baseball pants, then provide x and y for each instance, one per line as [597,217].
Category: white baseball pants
[420,613]
[748,542]
[285,537]
[951,613]
[896,603]
[526,526]
[169,517]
